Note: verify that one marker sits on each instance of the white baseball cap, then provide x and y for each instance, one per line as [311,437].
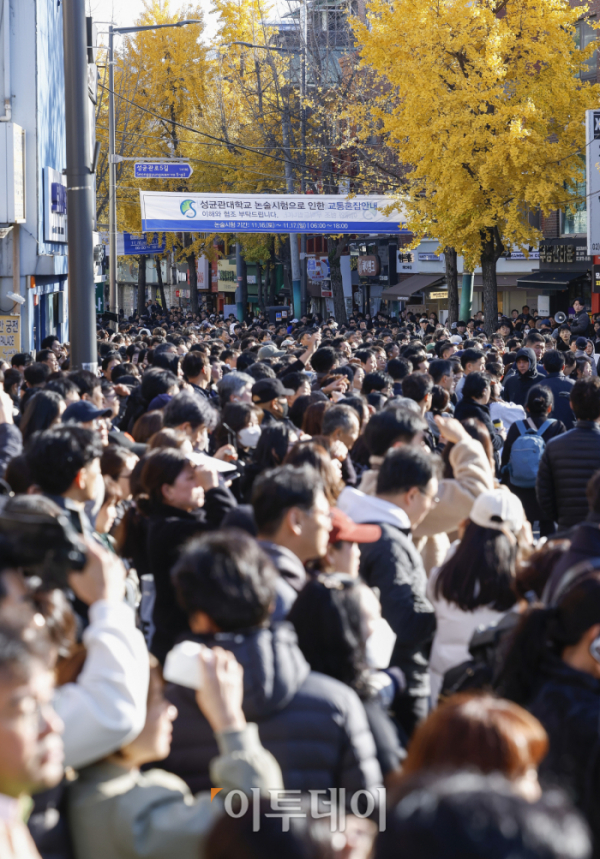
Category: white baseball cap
[456,339]
[498,509]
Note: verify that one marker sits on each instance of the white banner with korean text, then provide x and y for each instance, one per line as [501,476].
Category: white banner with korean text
[269,213]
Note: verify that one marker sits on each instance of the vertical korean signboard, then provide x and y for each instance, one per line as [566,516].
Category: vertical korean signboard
[10,337]
[592,163]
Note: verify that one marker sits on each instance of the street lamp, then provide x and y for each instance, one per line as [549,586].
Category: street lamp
[299,286]
[113,158]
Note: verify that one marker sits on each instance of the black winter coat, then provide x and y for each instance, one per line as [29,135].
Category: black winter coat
[585,545]
[565,468]
[167,532]
[468,408]
[394,565]
[315,726]
[580,323]
[567,703]
[11,445]
[517,386]
[561,386]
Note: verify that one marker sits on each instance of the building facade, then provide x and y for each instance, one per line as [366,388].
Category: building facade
[33,251]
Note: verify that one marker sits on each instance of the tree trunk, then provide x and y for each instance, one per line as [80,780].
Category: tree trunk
[141,302]
[336,249]
[272,280]
[452,281]
[491,251]
[193,271]
[261,297]
[285,256]
[161,286]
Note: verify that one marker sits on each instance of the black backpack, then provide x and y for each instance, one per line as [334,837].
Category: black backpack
[487,649]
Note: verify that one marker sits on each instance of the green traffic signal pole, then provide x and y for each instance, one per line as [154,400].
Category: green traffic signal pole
[466,297]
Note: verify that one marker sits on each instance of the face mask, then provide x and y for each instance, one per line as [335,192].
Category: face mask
[249,436]
[202,444]
[380,645]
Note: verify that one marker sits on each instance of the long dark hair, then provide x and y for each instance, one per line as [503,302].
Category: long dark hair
[40,412]
[234,417]
[272,446]
[540,400]
[481,571]
[163,465]
[546,631]
[327,619]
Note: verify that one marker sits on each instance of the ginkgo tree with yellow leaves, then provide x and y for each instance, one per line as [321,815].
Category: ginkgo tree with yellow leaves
[482,101]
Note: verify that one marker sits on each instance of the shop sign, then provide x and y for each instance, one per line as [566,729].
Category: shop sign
[368,266]
[569,254]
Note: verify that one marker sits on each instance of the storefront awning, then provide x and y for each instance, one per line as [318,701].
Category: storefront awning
[412,284]
[504,281]
[549,280]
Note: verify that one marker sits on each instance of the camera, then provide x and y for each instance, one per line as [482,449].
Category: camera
[41,540]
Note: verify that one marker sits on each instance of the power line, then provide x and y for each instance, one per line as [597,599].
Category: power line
[305,168]
[316,147]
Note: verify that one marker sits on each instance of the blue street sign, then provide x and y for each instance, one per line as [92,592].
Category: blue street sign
[162,170]
[136,245]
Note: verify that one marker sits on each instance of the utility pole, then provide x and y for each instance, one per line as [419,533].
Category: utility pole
[303,266]
[80,190]
[113,158]
[289,178]
[113,293]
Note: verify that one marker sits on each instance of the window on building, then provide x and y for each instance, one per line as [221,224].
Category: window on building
[584,35]
[574,218]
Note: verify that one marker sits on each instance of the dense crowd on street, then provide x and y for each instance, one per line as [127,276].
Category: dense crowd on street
[302,589]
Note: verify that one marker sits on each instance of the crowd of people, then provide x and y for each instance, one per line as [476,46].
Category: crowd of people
[300,588]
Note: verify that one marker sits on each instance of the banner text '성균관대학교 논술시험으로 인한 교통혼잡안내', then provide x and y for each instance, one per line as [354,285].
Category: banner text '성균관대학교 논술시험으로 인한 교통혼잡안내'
[269,213]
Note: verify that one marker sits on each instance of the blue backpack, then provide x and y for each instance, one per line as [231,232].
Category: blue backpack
[526,453]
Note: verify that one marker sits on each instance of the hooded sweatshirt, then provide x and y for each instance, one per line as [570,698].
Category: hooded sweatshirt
[518,386]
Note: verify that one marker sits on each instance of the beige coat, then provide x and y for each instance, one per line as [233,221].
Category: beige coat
[117,813]
[472,475]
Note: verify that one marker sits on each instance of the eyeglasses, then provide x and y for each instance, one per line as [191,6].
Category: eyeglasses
[433,498]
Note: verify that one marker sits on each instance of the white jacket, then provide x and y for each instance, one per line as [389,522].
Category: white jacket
[453,635]
[106,707]
[508,413]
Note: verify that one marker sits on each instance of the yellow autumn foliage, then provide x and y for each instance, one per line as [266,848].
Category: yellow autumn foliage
[482,101]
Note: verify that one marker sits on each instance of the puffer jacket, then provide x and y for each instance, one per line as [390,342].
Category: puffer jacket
[566,465]
[314,726]
[567,703]
[394,566]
